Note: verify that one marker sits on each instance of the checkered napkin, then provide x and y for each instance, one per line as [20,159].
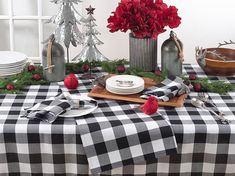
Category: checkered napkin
[49,109]
[167,89]
[119,140]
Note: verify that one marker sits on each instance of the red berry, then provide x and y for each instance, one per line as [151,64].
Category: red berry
[121,69]
[10,87]
[158,72]
[197,87]
[85,67]
[31,68]
[192,76]
[37,77]
[71,82]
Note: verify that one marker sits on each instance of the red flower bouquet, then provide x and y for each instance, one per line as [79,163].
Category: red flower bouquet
[145,18]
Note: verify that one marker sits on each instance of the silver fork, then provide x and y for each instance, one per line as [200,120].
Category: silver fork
[200,104]
[205,98]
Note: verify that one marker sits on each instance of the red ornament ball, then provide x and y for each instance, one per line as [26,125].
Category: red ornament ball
[192,76]
[31,68]
[197,87]
[10,87]
[71,81]
[121,69]
[158,72]
[85,67]
[37,77]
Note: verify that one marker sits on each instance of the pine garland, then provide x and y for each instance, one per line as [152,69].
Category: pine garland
[25,78]
[108,66]
[111,67]
[220,87]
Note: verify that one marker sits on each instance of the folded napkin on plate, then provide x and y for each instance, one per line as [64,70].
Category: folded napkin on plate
[167,89]
[49,109]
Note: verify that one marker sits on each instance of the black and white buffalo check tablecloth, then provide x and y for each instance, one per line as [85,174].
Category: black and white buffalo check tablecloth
[122,138]
[31,147]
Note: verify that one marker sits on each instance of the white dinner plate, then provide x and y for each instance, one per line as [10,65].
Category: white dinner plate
[80,111]
[2,75]
[13,66]
[10,58]
[125,93]
[9,70]
[136,86]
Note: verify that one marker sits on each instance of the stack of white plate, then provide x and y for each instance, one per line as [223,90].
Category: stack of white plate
[125,84]
[11,63]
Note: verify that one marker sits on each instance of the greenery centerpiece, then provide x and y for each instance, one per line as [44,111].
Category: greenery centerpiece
[32,75]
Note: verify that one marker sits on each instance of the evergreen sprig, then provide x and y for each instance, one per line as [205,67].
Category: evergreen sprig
[219,86]
[74,67]
[111,67]
[25,78]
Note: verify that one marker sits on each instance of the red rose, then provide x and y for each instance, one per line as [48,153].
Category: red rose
[145,18]
[171,17]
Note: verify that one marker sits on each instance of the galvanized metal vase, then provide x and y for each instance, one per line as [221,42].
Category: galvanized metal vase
[143,53]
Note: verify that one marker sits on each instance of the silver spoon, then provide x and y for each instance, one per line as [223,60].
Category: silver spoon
[205,98]
[200,104]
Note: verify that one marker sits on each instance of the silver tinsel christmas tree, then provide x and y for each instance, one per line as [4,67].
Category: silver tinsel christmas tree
[90,52]
[67,20]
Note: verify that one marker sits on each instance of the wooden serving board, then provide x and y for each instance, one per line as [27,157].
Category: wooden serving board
[100,92]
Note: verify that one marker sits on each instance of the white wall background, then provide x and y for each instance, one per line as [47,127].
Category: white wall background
[204,23]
